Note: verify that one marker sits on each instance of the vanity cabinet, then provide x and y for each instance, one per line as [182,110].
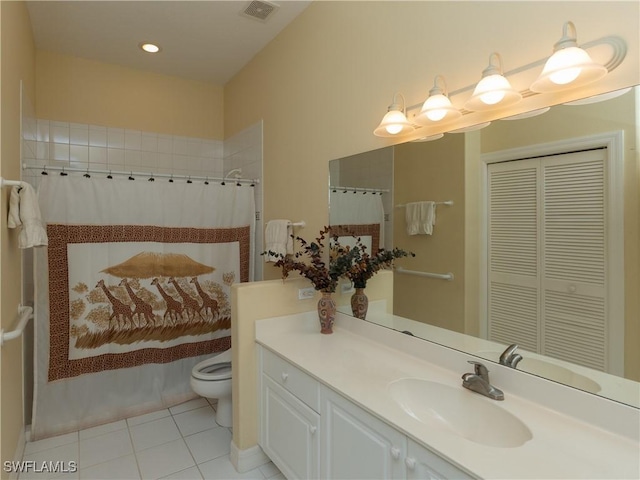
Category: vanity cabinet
[290,427]
[310,431]
[357,445]
[422,464]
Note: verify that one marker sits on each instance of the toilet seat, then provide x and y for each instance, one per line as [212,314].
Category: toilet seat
[212,370]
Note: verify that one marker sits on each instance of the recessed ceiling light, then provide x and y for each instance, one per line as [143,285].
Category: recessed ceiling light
[149,47]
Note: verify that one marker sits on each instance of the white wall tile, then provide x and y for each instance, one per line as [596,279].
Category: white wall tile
[132,139]
[115,137]
[165,144]
[149,142]
[79,134]
[132,158]
[43,130]
[97,155]
[97,136]
[60,152]
[79,153]
[115,156]
[59,133]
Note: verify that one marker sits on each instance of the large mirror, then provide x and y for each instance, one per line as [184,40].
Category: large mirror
[536,222]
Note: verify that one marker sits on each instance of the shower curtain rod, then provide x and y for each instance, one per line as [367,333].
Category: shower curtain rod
[360,189]
[132,174]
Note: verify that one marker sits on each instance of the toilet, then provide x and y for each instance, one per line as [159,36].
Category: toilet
[211,378]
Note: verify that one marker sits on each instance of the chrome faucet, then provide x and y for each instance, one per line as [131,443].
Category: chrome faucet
[509,357]
[479,382]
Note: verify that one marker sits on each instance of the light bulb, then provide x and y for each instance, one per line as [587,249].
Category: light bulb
[436,107]
[393,129]
[567,56]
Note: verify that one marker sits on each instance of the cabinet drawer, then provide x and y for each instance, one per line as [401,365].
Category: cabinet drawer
[291,379]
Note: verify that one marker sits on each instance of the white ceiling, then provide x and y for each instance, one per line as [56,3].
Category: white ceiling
[201,40]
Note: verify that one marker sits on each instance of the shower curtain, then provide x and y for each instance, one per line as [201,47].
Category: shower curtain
[132,291]
[357,214]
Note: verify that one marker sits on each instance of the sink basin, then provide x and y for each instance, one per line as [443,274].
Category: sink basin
[459,411]
[551,371]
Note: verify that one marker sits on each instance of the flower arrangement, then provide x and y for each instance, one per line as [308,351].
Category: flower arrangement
[354,263]
[365,265]
[323,276]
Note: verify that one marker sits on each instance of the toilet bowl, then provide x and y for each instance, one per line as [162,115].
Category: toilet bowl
[211,378]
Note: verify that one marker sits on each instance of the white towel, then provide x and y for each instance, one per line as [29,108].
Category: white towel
[25,212]
[420,217]
[277,239]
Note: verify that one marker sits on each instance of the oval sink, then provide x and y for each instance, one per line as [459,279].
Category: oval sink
[459,411]
[551,371]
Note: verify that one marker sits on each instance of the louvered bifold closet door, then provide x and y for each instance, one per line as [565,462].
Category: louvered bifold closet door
[573,258]
[513,253]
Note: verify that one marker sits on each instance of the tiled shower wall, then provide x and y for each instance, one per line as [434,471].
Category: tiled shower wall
[93,147]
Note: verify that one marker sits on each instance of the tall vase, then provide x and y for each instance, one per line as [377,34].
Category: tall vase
[326,312]
[359,304]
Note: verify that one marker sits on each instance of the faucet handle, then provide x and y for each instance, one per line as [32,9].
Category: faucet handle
[479,369]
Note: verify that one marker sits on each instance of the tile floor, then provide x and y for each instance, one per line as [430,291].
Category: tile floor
[182,442]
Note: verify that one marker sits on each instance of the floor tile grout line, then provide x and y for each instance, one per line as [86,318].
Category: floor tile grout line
[135,455]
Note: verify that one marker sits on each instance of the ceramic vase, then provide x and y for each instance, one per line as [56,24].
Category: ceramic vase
[359,304]
[326,312]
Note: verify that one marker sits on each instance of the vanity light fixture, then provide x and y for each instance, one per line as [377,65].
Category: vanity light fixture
[493,90]
[395,121]
[438,107]
[149,47]
[569,66]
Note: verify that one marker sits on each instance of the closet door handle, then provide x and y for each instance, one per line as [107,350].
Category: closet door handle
[410,463]
[284,376]
[395,453]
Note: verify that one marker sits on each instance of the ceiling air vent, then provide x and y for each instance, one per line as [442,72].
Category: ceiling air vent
[259,10]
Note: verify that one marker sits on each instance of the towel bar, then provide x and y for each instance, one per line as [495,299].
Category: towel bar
[441,276]
[9,183]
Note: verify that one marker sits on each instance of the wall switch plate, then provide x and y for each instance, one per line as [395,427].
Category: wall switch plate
[306,293]
[346,288]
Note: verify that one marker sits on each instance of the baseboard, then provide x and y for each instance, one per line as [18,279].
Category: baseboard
[17,457]
[247,459]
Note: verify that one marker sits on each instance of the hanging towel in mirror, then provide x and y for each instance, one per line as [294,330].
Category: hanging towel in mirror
[24,212]
[277,239]
[420,217]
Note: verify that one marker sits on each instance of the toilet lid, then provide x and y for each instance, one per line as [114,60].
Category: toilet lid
[211,370]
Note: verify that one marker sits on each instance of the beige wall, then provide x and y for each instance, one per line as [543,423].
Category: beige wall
[324,83]
[71,89]
[432,171]
[17,62]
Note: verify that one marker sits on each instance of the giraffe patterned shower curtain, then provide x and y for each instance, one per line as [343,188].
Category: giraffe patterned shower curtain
[132,291]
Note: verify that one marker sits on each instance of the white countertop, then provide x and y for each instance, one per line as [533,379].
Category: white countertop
[360,360]
[610,386]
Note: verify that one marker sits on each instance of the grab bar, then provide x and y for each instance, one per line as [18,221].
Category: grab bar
[26,313]
[441,276]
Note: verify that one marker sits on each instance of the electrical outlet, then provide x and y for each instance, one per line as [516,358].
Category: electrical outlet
[346,288]
[306,293]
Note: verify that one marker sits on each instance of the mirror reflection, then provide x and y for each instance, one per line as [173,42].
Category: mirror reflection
[539,231]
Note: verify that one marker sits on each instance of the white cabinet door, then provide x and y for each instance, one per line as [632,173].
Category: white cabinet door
[289,432]
[357,445]
[423,464]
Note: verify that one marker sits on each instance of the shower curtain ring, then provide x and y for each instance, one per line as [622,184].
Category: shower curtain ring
[109,176]
[171,179]
[63,173]
[44,172]
[151,179]
[131,176]
[189,179]
[206,181]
